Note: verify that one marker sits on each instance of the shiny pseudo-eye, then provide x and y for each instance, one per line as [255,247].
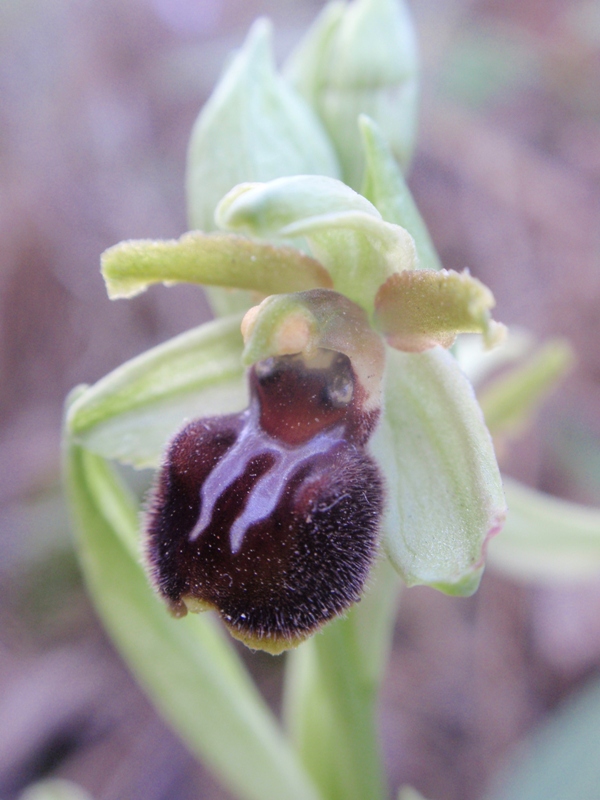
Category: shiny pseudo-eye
[271,516]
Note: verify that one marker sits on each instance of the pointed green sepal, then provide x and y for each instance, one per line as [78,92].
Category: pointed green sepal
[131,413]
[445,497]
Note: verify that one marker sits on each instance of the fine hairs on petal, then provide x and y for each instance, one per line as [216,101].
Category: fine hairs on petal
[271,516]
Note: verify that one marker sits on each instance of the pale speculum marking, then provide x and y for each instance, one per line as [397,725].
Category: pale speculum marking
[267,492]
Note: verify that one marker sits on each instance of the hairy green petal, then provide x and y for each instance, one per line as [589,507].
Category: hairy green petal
[385,187]
[546,538]
[418,309]
[445,496]
[218,259]
[187,666]
[132,412]
[345,232]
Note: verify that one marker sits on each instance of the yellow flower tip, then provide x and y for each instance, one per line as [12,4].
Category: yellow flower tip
[269,644]
[273,644]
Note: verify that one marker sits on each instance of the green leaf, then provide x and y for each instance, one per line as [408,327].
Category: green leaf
[418,309]
[133,411]
[445,496]
[345,232]
[54,789]
[385,187]
[561,759]
[130,267]
[187,666]
[509,401]
[545,538]
[363,60]
[254,127]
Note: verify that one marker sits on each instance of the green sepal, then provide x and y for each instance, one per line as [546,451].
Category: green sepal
[386,188]
[188,667]
[217,259]
[131,413]
[361,60]
[445,497]
[344,231]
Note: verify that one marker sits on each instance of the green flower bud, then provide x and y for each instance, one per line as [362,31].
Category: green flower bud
[361,59]
[254,127]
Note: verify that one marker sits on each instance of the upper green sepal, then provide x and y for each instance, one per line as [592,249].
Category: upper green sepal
[344,231]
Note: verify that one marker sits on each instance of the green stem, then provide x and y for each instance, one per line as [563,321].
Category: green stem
[332,686]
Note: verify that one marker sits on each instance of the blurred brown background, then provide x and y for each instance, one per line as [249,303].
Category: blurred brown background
[96,104]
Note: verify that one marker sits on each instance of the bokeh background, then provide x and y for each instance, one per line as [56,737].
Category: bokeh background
[96,103]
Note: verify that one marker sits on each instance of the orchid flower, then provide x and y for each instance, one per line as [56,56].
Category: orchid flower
[359,420]
[316,432]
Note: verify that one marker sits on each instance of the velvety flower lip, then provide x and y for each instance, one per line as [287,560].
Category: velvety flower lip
[271,516]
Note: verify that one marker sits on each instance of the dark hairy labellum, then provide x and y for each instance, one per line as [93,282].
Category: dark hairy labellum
[271,516]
